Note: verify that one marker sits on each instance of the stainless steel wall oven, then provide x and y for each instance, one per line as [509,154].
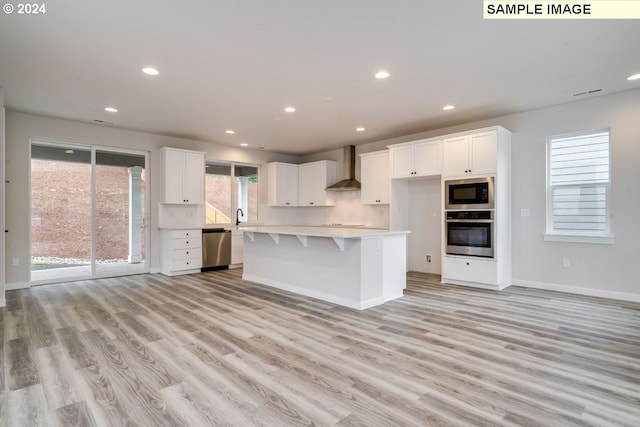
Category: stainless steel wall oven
[470,233]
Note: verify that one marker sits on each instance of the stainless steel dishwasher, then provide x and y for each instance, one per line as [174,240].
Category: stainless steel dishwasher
[216,249]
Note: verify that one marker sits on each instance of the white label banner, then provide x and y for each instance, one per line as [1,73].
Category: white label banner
[547,9]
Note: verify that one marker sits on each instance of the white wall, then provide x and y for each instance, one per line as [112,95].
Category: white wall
[20,127]
[2,202]
[426,228]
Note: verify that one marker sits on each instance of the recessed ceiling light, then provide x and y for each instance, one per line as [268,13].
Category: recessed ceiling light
[289,109]
[230,131]
[448,107]
[382,74]
[150,71]
[68,151]
[244,144]
[111,109]
[634,77]
[360,129]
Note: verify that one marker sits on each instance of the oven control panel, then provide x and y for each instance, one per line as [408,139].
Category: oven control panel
[472,215]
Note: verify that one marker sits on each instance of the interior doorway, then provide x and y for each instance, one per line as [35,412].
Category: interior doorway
[88,212]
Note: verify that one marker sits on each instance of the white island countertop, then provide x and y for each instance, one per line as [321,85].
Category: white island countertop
[330,232]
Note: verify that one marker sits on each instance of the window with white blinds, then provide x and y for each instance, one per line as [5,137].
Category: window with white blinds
[578,184]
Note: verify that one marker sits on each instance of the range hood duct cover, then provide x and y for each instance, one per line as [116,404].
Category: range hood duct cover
[349,184]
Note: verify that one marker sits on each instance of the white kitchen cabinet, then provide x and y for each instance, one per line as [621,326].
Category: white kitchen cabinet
[300,185]
[416,159]
[481,153]
[375,178]
[237,246]
[283,184]
[313,179]
[182,176]
[469,270]
[473,154]
[181,251]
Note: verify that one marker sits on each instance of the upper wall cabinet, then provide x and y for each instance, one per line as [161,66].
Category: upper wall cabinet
[473,154]
[313,178]
[182,176]
[283,184]
[416,159]
[375,178]
[300,185]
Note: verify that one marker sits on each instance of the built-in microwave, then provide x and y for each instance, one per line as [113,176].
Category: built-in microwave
[473,193]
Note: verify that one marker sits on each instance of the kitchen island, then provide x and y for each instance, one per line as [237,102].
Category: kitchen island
[353,267]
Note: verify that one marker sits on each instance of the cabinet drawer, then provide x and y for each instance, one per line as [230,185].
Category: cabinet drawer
[189,253]
[188,243]
[186,264]
[470,270]
[186,234]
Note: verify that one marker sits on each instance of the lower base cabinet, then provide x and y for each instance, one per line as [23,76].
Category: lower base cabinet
[181,252]
[471,271]
[237,247]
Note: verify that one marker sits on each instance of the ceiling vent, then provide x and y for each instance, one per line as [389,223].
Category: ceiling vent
[349,184]
[588,92]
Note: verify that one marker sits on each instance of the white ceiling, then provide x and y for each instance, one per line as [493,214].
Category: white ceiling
[236,64]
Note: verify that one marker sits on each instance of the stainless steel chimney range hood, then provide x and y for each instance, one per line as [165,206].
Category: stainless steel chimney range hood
[349,184]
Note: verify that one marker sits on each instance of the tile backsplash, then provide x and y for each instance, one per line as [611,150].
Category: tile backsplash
[347,211]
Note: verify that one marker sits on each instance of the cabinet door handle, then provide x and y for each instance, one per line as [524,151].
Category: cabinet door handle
[310,203]
[187,242]
[467,263]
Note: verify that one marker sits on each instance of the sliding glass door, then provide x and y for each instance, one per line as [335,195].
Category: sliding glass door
[88,212]
[60,212]
[119,213]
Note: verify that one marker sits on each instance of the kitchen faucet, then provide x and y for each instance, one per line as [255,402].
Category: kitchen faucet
[238,217]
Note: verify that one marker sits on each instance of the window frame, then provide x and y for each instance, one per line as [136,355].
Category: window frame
[234,191]
[581,236]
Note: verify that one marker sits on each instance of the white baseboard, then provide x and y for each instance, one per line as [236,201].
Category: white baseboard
[358,305]
[600,293]
[16,285]
[499,287]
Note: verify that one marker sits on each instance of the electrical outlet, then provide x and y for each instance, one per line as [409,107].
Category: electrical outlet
[427,259]
[15,262]
[525,212]
[566,262]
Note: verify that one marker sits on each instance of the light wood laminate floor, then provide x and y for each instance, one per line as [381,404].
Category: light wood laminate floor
[210,349]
